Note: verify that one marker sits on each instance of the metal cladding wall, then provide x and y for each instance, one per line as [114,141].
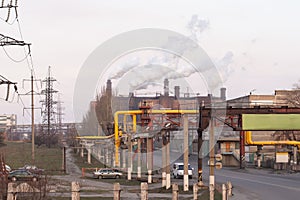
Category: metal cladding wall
[270,122]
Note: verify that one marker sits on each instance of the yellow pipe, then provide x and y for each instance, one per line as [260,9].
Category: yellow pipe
[95,137]
[124,122]
[134,123]
[134,113]
[250,142]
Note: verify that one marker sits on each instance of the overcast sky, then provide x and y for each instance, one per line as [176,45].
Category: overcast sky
[254,43]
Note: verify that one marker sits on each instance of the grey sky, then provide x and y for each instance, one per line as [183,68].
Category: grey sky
[263,37]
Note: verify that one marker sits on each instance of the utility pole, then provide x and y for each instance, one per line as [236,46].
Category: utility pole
[164,160]
[129,167]
[186,152]
[139,161]
[200,142]
[32,93]
[168,173]
[32,122]
[211,159]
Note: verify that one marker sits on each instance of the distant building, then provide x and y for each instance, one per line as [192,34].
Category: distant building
[8,120]
[290,98]
[280,98]
[6,123]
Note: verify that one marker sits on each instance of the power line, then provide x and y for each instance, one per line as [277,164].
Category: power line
[12,59]
[29,60]
[7,82]
[9,41]
[9,6]
[23,104]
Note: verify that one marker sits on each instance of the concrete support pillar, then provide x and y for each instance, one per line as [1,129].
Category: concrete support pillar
[258,162]
[139,161]
[229,189]
[124,158]
[106,156]
[11,191]
[129,167]
[164,179]
[82,151]
[77,150]
[175,191]
[242,149]
[164,163]
[211,192]
[195,191]
[144,191]
[186,153]
[295,155]
[99,153]
[117,191]
[224,192]
[113,162]
[168,173]
[89,157]
[149,158]
[75,191]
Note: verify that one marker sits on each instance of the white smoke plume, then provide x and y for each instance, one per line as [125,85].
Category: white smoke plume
[123,69]
[196,26]
[223,65]
[165,65]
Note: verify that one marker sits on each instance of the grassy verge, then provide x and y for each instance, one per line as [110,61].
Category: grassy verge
[18,154]
[82,162]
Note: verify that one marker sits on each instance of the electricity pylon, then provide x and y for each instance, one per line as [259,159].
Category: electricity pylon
[48,119]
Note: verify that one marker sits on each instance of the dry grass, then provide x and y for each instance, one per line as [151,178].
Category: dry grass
[18,154]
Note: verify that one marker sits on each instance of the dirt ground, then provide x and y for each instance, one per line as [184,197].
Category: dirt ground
[89,187]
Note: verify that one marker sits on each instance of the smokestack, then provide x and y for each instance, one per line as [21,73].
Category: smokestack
[108,88]
[223,94]
[131,94]
[177,92]
[166,87]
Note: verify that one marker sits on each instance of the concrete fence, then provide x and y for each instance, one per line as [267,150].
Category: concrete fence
[227,191]
[14,191]
[145,191]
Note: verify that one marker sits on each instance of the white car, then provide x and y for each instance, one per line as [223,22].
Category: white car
[178,170]
[8,169]
[107,173]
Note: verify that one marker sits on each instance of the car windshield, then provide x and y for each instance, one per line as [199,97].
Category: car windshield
[181,167]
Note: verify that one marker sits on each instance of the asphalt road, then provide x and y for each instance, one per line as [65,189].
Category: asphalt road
[254,184]
[249,184]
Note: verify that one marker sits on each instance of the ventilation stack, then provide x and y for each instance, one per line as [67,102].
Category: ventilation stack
[223,94]
[166,87]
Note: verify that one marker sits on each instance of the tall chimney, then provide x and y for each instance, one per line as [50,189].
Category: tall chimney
[108,88]
[177,92]
[166,87]
[223,94]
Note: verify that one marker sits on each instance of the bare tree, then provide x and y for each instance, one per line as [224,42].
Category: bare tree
[104,111]
[293,97]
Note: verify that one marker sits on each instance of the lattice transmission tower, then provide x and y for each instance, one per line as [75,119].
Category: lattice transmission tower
[49,111]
